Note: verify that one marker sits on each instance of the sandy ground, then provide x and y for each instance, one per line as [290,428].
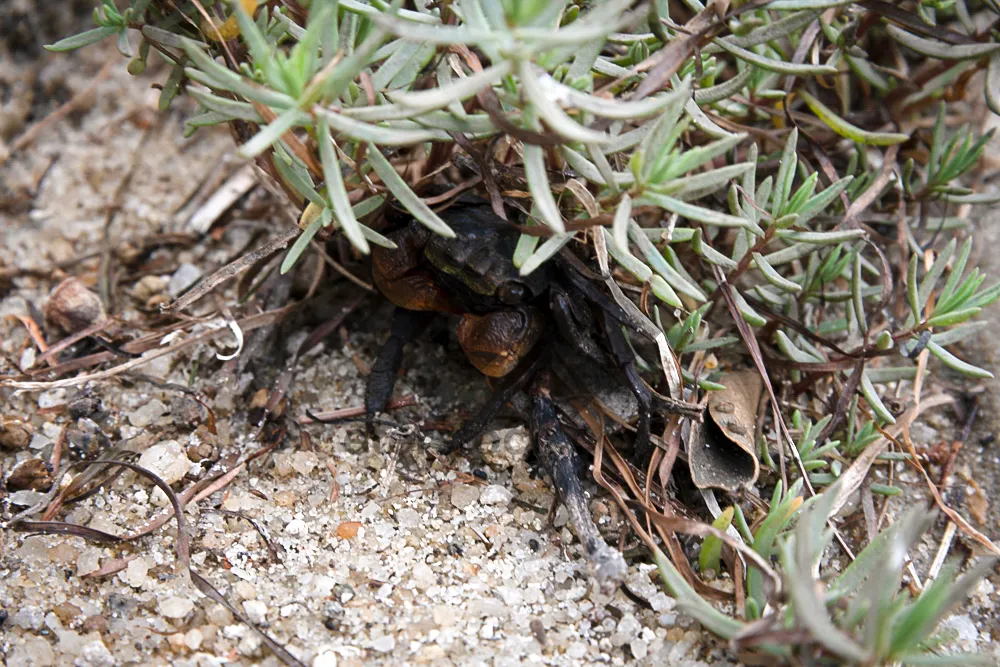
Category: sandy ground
[357,554]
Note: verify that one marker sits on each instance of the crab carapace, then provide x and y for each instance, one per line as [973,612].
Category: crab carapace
[510,326]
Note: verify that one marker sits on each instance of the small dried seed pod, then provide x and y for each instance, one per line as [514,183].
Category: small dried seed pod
[15,434]
[72,307]
[34,474]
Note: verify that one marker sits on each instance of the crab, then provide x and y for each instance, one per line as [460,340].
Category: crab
[514,329]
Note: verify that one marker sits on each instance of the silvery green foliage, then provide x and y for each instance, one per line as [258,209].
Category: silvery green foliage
[858,616]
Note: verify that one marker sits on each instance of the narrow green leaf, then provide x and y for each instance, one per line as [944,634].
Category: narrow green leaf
[773,277]
[271,133]
[629,262]
[845,129]
[232,108]
[954,363]
[954,317]
[555,118]
[302,242]
[705,183]
[407,197]
[623,213]
[538,183]
[551,246]
[711,547]
[664,292]
[931,278]
[458,91]
[692,603]
[941,50]
[822,238]
[724,90]
[337,190]
[701,155]
[751,316]
[873,400]
[661,266]
[819,202]
[857,299]
[692,212]
[774,30]
[379,134]
[770,65]
[786,173]
[83,39]
[792,351]
[912,288]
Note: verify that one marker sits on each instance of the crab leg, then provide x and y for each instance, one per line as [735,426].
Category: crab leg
[559,457]
[625,358]
[505,389]
[382,379]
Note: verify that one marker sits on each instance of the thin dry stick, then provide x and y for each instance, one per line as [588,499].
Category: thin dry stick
[231,270]
[248,324]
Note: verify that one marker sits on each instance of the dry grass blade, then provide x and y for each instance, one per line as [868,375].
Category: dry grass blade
[858,470]
[232,270]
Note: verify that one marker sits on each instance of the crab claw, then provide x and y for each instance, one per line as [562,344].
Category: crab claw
[496,342]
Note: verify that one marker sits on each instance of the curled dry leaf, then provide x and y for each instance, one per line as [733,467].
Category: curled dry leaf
[721,451]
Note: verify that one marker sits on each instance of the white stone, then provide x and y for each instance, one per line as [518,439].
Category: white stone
[296,527]
[52,398]
[408,518]
[384,644]
[193,639]
[964,627]
[494,494]
[136,573]
[167,460]
[185,276]
[423,576]
[95,654]
[463,495]
[256,611]
[147,413]
[175,607]
[325,659]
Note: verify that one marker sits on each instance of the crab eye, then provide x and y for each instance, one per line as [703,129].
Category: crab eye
[512,293]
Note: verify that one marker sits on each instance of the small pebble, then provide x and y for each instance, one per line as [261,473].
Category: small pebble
[52,398]
[185,276]
[147,413]
[384,644]
[463,495]
[494,494]
[348,530]
[296,527]
[408,518]
[325,659]
[256,611]
[136,573]
[175,607]
[95,654]
[167,460]
[15,434]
